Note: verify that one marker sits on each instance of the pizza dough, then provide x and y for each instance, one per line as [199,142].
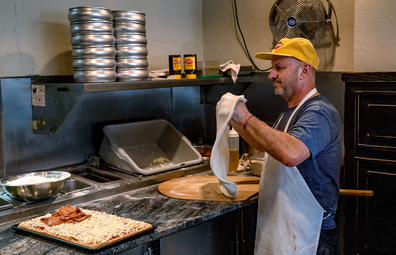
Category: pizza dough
[220,157]
[94,232]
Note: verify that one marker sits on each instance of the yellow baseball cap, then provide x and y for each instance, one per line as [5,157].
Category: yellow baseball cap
[299,48]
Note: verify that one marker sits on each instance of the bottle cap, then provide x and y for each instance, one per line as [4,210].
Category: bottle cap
[233,133]
[191,76]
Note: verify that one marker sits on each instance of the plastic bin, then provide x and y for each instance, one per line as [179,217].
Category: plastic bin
[147,147]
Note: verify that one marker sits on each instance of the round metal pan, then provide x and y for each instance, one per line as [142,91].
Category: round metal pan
[35,191]
[90,63]
[129,27]
[81,27]
[92,39]
[95,75]
[130,38]
[86,13]
[134,16]
[132,74]
[132,62]
[100,51]
[125,50]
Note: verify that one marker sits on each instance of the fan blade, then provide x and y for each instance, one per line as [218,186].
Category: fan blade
[297,27]
[311,21]
[281,11]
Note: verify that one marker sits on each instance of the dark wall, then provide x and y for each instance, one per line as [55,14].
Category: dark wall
[262,102]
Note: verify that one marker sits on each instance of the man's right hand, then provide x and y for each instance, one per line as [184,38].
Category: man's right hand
[241,113]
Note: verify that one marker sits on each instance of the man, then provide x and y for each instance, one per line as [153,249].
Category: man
[299,184]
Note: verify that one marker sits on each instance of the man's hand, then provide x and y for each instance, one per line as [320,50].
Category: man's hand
[241,113]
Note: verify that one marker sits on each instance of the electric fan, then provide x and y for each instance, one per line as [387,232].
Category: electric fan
[299,18]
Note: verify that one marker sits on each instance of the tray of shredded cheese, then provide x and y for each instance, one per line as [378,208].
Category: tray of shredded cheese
[88,230]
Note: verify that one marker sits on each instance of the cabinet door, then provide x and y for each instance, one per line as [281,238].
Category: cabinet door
[376,214]
[213,237]
[376,125]
[246,229]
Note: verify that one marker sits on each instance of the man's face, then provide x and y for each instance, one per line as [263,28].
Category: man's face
[285,75]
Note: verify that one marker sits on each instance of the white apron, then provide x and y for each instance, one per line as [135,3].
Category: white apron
[289,217]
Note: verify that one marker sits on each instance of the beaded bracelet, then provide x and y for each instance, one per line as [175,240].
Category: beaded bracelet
[244,124]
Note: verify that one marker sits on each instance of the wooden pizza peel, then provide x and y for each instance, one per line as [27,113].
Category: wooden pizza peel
[205,187]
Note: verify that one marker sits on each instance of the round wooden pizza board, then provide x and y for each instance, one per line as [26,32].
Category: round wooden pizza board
[206,188]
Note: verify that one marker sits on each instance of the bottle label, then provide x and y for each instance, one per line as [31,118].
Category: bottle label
[189,63]
[176,63]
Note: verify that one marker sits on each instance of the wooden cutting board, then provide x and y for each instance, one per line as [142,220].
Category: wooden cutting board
[206,188]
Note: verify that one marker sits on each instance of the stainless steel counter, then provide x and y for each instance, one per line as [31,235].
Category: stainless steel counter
[88,183]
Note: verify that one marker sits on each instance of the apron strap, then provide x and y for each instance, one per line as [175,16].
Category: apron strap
[311,93]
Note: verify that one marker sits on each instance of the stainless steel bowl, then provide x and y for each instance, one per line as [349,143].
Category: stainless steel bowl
[95,75]
[132,74]
[89,63]
[89,13]
[130,38]
[135,16]
[104,51]
[132,62]
[128,27]
[38,191]
[81,27]
[125,50]
[92,39]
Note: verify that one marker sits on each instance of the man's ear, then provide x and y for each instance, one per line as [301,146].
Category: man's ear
[305,70]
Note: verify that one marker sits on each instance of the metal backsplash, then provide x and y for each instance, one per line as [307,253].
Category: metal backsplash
[80,135]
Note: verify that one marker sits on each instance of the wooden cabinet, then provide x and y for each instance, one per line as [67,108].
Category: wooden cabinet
[230,234]
[370,162]
[376,217]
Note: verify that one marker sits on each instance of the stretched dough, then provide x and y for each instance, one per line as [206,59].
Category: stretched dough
[220,157]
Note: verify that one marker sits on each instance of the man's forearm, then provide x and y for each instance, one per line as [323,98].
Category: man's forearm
[280,145]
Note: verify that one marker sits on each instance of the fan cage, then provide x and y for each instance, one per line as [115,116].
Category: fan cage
[298,18]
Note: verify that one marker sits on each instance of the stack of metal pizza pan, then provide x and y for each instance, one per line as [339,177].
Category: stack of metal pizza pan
[93,41]
[131,45]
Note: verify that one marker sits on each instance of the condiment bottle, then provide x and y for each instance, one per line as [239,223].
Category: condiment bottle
[175,65]
[190,66]
[233,144]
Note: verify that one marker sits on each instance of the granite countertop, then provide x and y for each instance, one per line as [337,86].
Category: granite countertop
[169,215]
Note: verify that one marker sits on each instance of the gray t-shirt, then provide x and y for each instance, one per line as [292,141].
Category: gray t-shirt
[318,125]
